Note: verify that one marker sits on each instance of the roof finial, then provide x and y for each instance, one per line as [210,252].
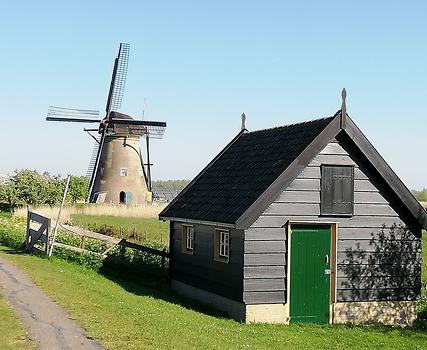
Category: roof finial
[343,109]
[243,122]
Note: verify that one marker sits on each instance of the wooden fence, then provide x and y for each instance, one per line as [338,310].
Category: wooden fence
[84,235]
[42,231]
[123,243]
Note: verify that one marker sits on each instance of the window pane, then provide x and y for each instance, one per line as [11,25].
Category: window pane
[189,237]
[337,190]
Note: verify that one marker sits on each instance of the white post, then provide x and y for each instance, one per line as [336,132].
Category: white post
[55,232]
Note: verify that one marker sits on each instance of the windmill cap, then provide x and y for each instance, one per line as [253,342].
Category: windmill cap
[118,115]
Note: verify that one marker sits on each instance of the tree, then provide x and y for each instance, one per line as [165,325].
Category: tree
[53,189]
[78,189]
[30,186]
[8,192]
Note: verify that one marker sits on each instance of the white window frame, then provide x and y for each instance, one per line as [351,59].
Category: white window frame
[224,244]
[123,172]
[188,235]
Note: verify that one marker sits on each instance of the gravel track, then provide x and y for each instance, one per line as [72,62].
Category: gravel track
[48,325]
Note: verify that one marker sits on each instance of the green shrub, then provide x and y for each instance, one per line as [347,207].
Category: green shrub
[12,231]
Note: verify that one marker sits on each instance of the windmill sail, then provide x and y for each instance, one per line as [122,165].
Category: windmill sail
[61,114]
[118,79]
[93,158]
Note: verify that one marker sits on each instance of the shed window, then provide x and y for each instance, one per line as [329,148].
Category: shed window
[187,239]
[337,194]
[222,245]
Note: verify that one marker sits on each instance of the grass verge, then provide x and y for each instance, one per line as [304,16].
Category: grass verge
[146,315]
[13,335]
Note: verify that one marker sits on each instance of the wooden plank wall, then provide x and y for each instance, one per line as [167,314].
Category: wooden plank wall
[201,270]
[373,263]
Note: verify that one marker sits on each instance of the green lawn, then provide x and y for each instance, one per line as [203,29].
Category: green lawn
[124,315]
[5,214]
[13,335]
[151,230]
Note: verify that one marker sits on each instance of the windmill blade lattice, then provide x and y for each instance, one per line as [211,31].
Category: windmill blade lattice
[93,159]
[55,113]
[120,77]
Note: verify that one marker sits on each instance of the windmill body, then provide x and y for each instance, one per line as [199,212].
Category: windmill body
[120,175]
[117,173]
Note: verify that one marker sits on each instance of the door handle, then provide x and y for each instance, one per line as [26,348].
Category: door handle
[327,259]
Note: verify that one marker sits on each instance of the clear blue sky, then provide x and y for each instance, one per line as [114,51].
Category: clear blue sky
[201,64]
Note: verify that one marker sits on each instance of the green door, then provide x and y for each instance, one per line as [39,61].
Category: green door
[310,273]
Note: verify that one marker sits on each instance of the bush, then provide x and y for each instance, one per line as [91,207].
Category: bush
[89,260]
[12,232]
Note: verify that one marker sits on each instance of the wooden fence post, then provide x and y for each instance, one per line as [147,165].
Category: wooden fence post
[27,235]
[46,246]
[123,248]
[163,258]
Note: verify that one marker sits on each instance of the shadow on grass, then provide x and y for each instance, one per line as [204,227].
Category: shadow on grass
[150,280]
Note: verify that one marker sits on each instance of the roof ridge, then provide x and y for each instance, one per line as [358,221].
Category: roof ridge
[294,124]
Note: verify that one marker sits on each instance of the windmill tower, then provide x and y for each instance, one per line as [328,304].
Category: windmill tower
[116,173]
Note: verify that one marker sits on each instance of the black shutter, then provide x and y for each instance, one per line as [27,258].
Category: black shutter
[327,191]
[337,190]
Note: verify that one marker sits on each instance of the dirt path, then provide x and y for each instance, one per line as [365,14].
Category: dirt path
[48,325]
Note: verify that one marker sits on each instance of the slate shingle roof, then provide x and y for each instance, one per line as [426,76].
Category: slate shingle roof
[243,172]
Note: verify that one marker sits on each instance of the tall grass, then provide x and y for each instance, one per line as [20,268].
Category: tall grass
[140,211]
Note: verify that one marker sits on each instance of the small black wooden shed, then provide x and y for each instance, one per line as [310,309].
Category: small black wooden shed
[299,223]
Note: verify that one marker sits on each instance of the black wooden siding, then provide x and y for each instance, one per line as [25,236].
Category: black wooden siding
[374,261]
[201,270]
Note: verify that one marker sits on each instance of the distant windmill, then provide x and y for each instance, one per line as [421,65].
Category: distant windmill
[116,171]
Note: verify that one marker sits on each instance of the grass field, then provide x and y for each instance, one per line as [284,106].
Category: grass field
[13,335]
[147,229]
[125,315]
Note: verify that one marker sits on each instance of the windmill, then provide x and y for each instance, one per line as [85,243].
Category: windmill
[116,172]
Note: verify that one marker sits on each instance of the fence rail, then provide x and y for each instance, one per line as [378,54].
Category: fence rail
[126,244]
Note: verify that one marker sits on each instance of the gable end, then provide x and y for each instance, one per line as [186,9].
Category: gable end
[290,173]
